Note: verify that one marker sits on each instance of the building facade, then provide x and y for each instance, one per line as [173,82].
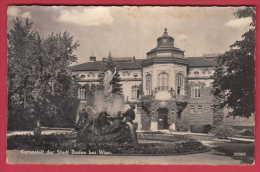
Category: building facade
[169,89]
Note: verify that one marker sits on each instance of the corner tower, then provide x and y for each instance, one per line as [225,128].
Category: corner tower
[165,47]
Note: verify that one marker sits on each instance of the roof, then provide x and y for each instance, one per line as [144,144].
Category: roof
[88,66]
[128,63]
[121,63]
[165,49]
[202,61]
[165,35]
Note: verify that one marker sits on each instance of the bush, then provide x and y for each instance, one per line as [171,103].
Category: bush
[181,126]
[200,128]
[247,132]
[20,118]
[66,143]
[223,131]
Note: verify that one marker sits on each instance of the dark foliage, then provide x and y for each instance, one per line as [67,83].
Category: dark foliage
[200,128]
[67,143]
[223,131]
[234,79]
[231,148]
[38,68]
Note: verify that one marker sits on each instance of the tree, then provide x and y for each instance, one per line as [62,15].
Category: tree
[234,78]
[38,70]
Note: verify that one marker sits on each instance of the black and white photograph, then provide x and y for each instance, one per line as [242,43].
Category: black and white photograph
[164,85]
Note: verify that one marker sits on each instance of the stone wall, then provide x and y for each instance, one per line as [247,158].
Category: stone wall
[199,111]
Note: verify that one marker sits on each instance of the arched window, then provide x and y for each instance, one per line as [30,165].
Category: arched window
[195,92]
[148,81]
[163,81]
[179,83]
[134,92]
[82,76]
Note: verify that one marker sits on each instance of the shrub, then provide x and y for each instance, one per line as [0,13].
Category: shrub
[207,128]
[196,128]
[200,128]
[247,132]
[223,131]
[181,126]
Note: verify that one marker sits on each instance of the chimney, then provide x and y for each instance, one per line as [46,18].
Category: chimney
[92,58]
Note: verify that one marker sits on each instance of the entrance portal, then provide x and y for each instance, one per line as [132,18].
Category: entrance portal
[163,118]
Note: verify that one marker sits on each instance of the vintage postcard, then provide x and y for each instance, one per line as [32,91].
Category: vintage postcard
[131,85]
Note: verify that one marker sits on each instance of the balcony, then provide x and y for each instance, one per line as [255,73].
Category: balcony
[166,93]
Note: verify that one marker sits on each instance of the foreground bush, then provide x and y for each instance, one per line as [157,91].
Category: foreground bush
[223,131]
[200,128]
[67,143]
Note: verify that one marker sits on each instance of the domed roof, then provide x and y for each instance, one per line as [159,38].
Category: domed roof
[165,40]
[165,47]
[165,35]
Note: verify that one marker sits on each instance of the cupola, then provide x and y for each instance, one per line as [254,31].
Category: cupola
[165,48]
[165,40]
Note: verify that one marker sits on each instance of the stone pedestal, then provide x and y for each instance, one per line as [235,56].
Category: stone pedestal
[138,117]
[172,127]
[154,125]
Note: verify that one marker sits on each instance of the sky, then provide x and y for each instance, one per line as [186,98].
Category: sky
[128,31]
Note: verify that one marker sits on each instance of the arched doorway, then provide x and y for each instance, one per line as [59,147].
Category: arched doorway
[163,118]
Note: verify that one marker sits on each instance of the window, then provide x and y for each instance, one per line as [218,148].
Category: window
[195,92]
[179,82]
[134,92]
[192,109]
[148,80]
[82,93]
[100,75]
[196,73]
[199,108]
[163,81]
[126,73]
[91,74]
[82,76]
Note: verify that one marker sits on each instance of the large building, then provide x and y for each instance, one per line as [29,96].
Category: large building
[168,88]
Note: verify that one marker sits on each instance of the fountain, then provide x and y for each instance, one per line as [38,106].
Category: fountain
[107,122]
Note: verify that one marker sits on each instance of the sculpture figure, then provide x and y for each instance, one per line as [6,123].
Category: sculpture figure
[107,81]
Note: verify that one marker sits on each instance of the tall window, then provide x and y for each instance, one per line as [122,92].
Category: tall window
[195,92]
[82,93]
[163,81]
[135,92]
[148,80]
[179,83]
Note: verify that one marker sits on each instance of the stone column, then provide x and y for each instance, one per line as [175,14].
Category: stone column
[138,116]
[154,116]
